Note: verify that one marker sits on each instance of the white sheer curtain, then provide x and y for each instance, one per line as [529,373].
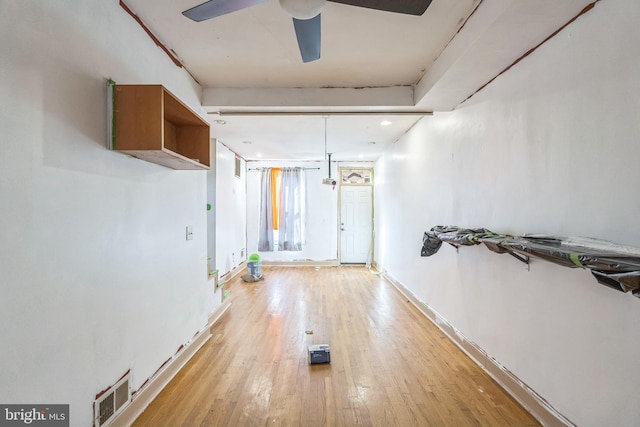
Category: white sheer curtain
[265,233]
[291,210]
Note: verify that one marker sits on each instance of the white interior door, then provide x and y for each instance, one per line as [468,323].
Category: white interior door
[356,223]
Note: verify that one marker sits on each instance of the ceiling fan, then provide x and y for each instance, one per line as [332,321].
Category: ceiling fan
[305,14]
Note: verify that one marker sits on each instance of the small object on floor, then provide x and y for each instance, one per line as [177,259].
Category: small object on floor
[308,332]
[251,278]
[254,265]
[319,353]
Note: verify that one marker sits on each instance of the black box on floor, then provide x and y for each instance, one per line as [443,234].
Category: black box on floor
[319,353]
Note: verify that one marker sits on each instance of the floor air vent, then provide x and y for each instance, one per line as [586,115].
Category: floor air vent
[114,400]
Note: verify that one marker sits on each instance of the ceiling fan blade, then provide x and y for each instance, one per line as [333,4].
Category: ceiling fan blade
[308,34]
[409,7]
[214,8]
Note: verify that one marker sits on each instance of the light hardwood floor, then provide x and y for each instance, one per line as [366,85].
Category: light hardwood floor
[390,366]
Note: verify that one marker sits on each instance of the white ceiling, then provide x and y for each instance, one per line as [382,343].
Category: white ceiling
[357,137]
[378,65]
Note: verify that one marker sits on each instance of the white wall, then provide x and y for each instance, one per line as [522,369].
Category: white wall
[231,201]
[211,201]
[549,147]
[96,276]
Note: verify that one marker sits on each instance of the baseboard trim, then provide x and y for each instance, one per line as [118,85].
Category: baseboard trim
[302,263]
[229,275]
[535,404]
[218,312]
[150,390]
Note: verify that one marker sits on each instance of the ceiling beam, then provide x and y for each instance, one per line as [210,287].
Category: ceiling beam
[358,99]
[495,36]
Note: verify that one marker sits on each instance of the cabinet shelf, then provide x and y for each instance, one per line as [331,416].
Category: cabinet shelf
[153,125]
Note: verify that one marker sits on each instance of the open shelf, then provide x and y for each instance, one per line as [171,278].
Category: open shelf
[153,125]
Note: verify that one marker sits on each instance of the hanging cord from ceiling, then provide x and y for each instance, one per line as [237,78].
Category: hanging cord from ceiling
[325,117]
[328,180]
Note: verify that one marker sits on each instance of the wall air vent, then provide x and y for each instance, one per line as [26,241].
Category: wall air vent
[112,402]
[238,167]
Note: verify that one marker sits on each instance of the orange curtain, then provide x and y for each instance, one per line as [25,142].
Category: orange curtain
[276,179]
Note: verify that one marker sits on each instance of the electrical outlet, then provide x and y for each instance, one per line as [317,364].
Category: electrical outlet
[189,233]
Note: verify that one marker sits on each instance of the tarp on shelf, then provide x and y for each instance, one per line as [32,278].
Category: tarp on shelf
[615,266]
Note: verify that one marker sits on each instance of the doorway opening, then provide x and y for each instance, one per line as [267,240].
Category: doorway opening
[355,215]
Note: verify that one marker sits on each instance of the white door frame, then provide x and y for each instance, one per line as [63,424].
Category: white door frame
[341,182]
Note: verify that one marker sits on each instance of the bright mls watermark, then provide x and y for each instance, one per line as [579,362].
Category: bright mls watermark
[34,415]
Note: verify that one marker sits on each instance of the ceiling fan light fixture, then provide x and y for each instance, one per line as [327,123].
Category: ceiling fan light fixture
[303,9]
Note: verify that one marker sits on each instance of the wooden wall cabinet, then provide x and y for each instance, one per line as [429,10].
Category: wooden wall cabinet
[153,125]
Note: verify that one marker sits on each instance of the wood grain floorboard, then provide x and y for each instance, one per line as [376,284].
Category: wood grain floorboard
[390,366]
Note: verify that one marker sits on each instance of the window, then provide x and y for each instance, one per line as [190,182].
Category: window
[281,209]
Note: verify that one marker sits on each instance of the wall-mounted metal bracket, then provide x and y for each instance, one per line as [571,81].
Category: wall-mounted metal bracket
[522,258]
[455,246]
